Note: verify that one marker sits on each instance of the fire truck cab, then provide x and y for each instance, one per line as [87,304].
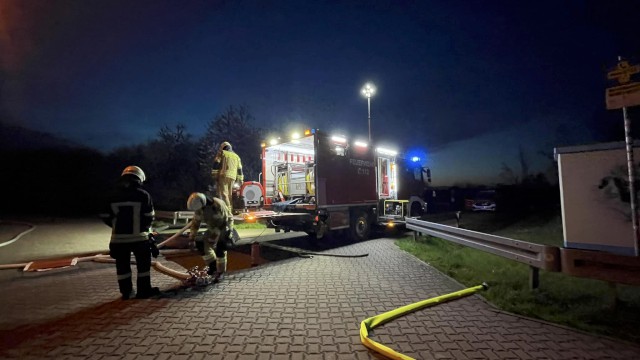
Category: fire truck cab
[320,183]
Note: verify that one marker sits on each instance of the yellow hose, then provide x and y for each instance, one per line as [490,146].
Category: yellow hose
[372,322]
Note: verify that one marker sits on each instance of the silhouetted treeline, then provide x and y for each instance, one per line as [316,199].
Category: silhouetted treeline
[57,178]
[53,181]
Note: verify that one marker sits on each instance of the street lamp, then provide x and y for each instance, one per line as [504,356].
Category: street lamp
[368,90]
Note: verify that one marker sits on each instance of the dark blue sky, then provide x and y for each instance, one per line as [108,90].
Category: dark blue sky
[465,80]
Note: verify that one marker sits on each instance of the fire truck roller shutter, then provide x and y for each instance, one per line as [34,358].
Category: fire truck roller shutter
[283,186]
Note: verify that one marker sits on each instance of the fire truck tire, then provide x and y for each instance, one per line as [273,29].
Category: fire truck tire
[416,209]
[360,226]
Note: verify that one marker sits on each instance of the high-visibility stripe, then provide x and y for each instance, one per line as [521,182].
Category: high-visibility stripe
[144,274]
[127,238]
[124,276]
[115,207]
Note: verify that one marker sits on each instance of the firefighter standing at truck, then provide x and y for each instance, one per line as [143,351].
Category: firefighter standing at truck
[215,213]
[227,169]
[130,213]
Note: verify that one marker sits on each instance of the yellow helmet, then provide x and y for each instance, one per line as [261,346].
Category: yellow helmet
[135,171]
[224,145]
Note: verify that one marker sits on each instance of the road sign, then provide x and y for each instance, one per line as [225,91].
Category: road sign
[626,92]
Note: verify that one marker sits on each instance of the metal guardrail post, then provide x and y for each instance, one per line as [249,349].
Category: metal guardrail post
[534,277]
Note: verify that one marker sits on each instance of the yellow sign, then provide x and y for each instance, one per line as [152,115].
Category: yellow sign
[627,93]
[623,72]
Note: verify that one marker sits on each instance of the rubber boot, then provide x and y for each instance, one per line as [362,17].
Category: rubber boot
[126,288]
[154,291]
[212,268]
[145,290]
[221,268]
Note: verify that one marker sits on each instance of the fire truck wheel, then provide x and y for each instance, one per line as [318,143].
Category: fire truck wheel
[360,226]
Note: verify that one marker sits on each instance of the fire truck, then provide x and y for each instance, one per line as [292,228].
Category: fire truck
[319,183]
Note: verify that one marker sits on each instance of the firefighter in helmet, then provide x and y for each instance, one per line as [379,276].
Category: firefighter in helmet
[215,213]
[130,213]
[227,169]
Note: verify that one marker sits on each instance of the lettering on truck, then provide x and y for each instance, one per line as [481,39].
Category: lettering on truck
[361,164]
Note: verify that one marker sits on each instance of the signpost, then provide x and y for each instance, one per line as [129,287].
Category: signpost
[626,93]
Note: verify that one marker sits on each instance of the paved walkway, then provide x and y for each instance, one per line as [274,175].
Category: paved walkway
[294,309]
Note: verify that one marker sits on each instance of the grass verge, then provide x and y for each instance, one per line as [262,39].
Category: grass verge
[580,303]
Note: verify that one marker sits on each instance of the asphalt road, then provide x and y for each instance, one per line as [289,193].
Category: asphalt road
[48,238]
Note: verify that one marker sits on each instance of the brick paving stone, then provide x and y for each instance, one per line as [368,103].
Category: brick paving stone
[247,357]
[292,309]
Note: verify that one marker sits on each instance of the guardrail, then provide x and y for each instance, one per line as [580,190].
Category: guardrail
[175,215]
[537,256]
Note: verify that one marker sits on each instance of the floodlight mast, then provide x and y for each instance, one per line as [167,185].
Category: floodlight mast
[368,91]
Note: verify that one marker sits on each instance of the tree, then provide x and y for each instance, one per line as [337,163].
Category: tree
[170,163]
[507,175]
[233,125]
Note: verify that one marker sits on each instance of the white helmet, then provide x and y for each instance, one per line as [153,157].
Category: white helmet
[196,201]
[135,171]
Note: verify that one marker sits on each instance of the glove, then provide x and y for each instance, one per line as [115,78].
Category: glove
[153,247]
[231,237]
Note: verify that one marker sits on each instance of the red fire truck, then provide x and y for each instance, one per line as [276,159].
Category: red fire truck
[319,183]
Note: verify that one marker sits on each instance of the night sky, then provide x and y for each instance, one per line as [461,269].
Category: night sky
[468,83]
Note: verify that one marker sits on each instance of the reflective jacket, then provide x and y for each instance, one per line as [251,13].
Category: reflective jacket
[227,164]
[129,212]
[217,217]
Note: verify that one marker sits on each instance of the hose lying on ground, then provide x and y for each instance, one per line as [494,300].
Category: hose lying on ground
[15,238]
[372,322]
[305,253]
[71,257]
[155,264]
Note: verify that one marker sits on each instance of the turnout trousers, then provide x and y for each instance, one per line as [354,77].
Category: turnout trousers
[121,252]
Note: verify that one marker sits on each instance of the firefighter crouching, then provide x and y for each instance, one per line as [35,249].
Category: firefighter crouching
[227,169]
[130,213]
[215,213]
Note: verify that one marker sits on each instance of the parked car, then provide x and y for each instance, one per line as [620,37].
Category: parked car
[484,201]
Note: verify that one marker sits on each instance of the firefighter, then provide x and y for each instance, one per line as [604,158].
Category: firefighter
[227,169]
[129,214]
[215,213]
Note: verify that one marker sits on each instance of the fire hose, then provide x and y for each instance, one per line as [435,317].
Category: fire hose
[15,238]
[155,264]
[372,322]
[308,254]
[175,235]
